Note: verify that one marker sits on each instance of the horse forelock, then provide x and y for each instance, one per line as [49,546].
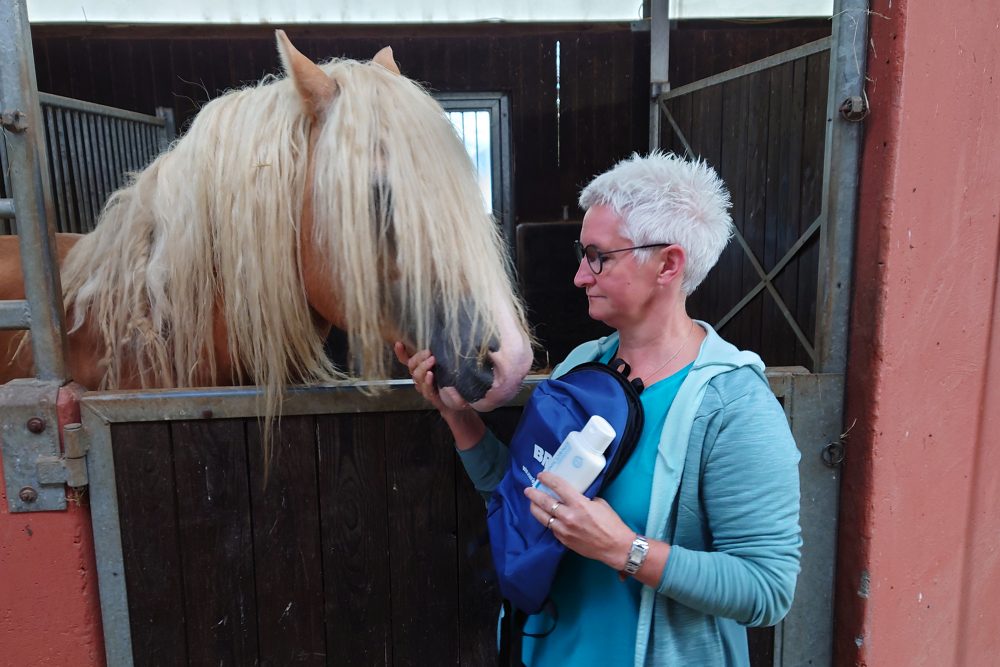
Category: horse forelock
[387,149]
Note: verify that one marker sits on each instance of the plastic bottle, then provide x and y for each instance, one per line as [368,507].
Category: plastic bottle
[580,457]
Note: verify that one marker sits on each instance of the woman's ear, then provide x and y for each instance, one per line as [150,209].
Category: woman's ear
[672,261]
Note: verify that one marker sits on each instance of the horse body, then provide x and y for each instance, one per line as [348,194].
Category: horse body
[338,195]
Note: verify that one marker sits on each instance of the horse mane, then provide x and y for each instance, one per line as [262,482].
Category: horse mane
[208,236]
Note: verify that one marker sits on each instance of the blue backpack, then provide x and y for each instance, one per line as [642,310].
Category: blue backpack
[525,553]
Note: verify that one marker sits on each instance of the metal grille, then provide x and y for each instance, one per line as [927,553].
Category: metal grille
[91,151]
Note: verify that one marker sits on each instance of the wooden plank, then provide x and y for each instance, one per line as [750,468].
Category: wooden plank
[774,331]
[420,467]
[150,544]
[786,283]
[478,591]
[755,202]
[216,542]
[817,73]
[732,169]
[287,550]
[355,535]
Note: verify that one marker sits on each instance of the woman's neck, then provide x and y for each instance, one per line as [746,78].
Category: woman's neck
[657,352]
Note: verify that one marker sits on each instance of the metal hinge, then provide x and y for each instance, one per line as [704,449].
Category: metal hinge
[36,469]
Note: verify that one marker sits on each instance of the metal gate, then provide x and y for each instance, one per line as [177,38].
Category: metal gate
[90,150]
[763,116]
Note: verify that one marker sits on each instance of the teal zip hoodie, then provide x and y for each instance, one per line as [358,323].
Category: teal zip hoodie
[724,495]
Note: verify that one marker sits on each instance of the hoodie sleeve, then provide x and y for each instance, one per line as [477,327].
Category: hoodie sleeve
[485,463]
[750,499]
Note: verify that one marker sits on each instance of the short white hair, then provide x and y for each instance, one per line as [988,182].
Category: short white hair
[663,198]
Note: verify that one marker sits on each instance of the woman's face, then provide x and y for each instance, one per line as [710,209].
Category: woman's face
[620,294]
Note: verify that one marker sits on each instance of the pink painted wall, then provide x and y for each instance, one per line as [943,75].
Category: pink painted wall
[919,554]
[50,612]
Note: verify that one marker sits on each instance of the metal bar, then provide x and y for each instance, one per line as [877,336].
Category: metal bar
[14,315]
[806,235]
[807,631]
[131,149]
[105,184]
[841,163]
[90,150]
[99,109]
[107,541]
[6,224]
[79,176]
[774,294]
[659,64]
[57,173]
[6,208]
[29,178]
[117,163]
[756,66]
[680,135]
[169,131]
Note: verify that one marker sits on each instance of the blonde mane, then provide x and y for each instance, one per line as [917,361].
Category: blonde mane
[208,236]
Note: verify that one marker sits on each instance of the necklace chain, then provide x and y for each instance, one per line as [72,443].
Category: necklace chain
[673,356]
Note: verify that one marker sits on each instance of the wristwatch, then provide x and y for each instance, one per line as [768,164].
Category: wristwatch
[636,555]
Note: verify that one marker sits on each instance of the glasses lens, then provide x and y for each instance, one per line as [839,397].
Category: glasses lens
[578,250]
[594,259]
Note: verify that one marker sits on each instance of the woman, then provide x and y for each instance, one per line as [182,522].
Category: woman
[698,536]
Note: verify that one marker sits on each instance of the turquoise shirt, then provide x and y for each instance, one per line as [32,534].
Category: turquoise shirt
[597,612]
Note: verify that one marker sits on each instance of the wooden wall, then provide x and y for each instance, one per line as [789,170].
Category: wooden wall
[364,546]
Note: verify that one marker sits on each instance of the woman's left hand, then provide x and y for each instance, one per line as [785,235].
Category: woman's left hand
[588,527]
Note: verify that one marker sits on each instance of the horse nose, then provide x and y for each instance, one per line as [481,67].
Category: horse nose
[468,369]
[471,373]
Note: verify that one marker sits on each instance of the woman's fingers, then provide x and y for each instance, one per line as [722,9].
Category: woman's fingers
[419,364]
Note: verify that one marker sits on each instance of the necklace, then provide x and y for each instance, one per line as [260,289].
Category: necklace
[674,355]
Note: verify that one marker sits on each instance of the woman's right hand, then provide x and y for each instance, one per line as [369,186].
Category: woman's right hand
[421,364]
[464,423]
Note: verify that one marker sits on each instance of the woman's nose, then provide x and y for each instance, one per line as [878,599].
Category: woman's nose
[584,276]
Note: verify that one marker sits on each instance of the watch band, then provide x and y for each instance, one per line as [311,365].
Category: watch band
[636,555]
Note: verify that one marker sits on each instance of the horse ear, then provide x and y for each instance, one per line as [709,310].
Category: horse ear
[314,86]
[385,59]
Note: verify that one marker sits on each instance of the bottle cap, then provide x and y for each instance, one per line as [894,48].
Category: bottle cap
[598,434]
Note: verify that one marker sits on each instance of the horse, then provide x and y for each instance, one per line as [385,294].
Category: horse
[338,195]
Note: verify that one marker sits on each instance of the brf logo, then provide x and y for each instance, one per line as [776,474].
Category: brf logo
[542,456]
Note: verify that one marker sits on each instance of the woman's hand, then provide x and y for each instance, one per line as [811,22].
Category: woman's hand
[420,364]
[464,423]
[588,527]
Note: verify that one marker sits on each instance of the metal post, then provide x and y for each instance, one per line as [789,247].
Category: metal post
[846,105]
[24,137]
[659,64]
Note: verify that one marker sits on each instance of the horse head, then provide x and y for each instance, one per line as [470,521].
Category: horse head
[395,242]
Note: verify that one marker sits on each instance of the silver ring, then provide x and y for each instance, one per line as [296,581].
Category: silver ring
[548,526]
[555,506]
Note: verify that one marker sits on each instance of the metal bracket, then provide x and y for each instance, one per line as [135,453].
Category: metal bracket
[854,109]
[35,470]
[14,120]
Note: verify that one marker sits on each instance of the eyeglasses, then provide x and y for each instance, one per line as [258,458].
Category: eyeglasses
[595,257]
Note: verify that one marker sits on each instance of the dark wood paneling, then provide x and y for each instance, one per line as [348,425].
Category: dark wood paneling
[287,550]
[353,512]
[216,541]
[420,465]
[153,568]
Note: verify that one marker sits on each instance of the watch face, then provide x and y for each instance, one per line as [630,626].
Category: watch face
[636,555]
